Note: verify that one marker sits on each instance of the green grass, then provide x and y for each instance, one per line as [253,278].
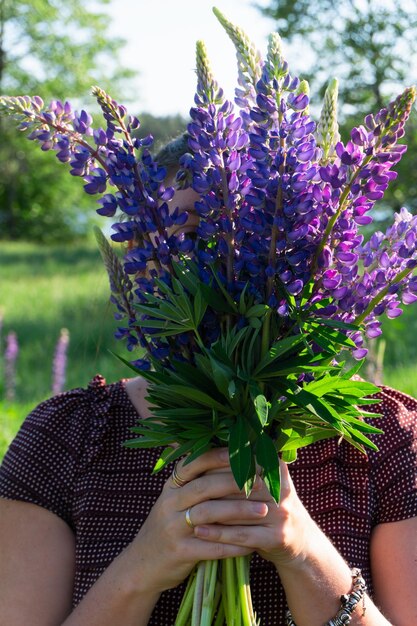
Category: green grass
[46,288]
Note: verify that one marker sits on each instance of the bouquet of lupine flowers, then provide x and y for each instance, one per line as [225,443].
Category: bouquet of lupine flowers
[245,324]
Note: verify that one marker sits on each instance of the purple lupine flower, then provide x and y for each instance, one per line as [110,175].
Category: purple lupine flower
[59,365]
[10,359]
[1,328]
[279,217]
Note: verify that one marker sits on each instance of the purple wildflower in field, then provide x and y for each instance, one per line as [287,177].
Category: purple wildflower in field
[59,365]
[10,358]
[1,328]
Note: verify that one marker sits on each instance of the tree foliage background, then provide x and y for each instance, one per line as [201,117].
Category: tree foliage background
[371,47]
[57,50]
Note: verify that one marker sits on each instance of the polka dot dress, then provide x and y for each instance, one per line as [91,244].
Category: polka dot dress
[68,457]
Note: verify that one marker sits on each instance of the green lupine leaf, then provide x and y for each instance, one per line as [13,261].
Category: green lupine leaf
[238,338]
[364,426]
[257,310]
[200,307]
[250,481]
[333,336]
[289,456]
[341,386]
[225,293]
[216,300]
[144,442]
[221,376]
[187,276]
[244,302]
[196,395]
[172,455]
[267,457]
[353,370]
[281,347]
[261,407]
[231,389]
[183,412]
[240,452]
[356,435]
[201,446]
[335,323]
[317,406]
[163,287]
[313,435]
[162,461]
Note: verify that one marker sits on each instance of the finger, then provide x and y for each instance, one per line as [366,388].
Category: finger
[198,550]
[286,481]
[250,537]
[211,460]
[226,512]
[206,487]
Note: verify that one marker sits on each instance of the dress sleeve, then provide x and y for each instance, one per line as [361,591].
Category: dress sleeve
[40,464]
[394,466]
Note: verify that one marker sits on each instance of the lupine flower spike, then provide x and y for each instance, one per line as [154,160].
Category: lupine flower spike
[327,132]
[59,365]
[10,360]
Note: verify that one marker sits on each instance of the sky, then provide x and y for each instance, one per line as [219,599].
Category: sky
[161,37]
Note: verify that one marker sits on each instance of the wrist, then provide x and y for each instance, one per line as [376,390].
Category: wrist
[136,579]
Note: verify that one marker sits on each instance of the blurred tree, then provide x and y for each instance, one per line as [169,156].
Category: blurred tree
[57,50]
[371,46]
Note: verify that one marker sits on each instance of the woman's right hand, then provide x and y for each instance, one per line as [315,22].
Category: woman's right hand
[165,549]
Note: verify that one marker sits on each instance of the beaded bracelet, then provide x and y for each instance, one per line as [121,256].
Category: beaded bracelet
[349,602]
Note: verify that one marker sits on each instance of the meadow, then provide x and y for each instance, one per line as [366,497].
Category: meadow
[46,288]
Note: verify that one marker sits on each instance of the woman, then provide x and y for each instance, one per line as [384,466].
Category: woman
[81,521]
[88,535]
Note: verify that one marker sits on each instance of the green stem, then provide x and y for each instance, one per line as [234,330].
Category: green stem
[184,611]
[209,589]
[242,566]
[198,594]
[266,327]
[229,590]
[220,615]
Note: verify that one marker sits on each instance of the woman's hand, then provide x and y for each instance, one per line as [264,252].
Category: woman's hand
[166,548]
[282,535]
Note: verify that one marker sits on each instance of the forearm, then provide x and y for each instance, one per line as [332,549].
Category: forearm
[314,583]
[118,597]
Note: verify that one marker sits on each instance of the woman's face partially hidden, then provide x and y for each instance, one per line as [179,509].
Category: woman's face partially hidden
[184,199]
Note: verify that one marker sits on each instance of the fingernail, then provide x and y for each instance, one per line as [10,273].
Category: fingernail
[201,531]
[259,507]
[224,454]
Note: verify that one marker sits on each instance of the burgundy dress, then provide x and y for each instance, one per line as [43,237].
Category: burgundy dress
[68,457]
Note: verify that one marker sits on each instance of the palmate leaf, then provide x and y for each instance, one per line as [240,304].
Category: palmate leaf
[176,312]
[336,384]
[285,346]
[330,339]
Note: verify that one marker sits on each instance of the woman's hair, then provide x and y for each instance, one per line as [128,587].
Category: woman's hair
[170,154]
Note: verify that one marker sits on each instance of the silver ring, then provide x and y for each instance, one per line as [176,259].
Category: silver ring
[176,478]
[188,518]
